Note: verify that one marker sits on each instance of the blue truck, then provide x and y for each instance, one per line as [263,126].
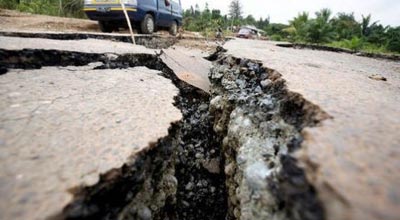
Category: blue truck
[146,15]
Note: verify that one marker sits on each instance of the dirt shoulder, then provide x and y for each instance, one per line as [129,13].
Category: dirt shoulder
[11,20]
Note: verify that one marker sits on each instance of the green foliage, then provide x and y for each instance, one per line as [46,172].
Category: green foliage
[67,8]
[319,30]
[343,31]
[277,29]
[393,39]
[346,26]
[354,44]
[297,30]
[39,7]
[8,4]
[276,37]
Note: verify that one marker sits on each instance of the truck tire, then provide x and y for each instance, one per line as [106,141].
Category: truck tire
[173,29]
[105,27]
[147,25]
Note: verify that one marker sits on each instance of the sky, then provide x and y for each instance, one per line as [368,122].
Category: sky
[387,12]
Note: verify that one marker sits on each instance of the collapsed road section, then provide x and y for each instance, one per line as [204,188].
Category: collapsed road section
[228,159]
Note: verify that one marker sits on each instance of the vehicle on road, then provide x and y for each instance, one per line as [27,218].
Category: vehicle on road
[249,32]
[146,15]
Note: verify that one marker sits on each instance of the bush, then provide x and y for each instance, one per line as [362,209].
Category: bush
[276,37]
[393,43]
[68,8]
[8,4]
[354,44]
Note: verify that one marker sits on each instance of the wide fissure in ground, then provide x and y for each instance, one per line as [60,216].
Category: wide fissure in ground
[228,158]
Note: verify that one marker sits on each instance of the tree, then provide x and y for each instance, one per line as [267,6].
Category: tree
[235,9]
[366,25]
[206,15]
[263,24]
[216,14]
[346,26]
[250,20]
[377,34]
[197,11]
[393,38]
[319,30]
[297,30]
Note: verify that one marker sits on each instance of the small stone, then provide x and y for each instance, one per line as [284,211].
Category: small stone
[185,203]
[212,165]
[243,69]
[265,83]
[229,169]
[198,155]
[145,213]
[212,189]
[236,213]
[203,107]
[189,186]
[377,77]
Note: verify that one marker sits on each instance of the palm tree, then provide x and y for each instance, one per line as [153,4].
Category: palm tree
[346,26]
[366,26]
[320,30]
[297,29]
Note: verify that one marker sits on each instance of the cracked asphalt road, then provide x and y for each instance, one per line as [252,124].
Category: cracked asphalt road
[63,116]
[62,127]
[353,158]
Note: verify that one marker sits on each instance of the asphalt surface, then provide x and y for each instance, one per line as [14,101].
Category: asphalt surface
[85,46]
[353,159]
[189,65]
[61,128]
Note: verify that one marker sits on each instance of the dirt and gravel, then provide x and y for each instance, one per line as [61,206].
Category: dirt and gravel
[16,21]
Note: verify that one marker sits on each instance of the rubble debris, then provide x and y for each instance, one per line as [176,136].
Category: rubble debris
[261,122]
[377,77]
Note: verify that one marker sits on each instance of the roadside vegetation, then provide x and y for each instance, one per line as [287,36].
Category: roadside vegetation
[64,8]
[341,30]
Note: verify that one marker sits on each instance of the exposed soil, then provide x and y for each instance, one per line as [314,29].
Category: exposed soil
[15,20]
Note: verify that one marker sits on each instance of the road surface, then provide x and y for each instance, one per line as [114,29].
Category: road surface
[355,155]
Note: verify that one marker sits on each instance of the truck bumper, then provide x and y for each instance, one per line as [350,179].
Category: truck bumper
[109,13]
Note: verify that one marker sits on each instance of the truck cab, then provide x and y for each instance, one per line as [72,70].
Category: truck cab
[147,15]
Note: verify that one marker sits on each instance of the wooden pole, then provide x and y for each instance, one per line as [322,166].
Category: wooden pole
[128,20]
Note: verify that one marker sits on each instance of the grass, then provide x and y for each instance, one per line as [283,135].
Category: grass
[359,45]
[69,8]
